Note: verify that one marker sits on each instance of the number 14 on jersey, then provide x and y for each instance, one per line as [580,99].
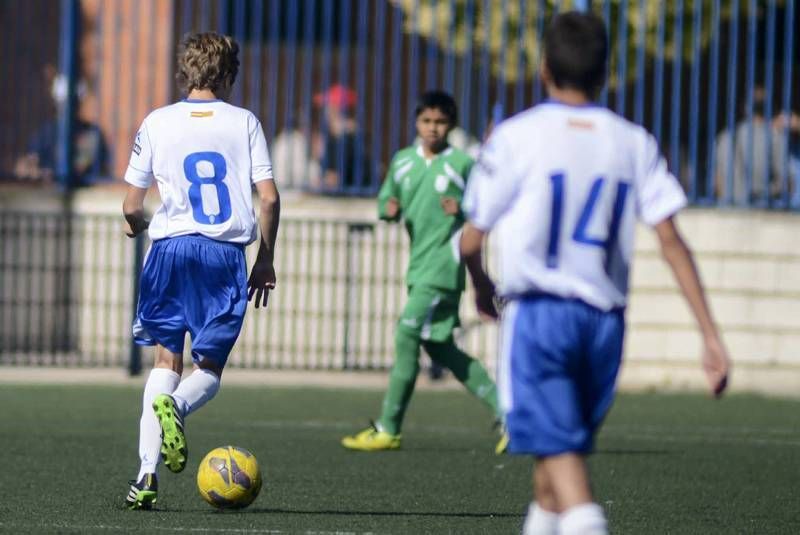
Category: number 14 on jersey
[581,233]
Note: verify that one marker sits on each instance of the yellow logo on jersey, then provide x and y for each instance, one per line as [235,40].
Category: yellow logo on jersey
[202,113]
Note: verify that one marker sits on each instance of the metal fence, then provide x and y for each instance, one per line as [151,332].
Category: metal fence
[67,295]
[713,79]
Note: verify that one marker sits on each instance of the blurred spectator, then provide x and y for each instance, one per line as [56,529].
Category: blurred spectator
[463,140]
[90,153]
[344,159]
[749,152]
[295,161]
[787,132]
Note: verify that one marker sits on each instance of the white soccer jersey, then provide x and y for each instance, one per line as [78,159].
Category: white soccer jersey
[565,185]
[205,156]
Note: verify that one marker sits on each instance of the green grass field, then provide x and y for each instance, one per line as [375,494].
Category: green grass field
[665,464]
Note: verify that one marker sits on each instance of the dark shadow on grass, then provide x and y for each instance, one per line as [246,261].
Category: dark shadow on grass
[267,510]
[634,452]
[446,449]
[434,514]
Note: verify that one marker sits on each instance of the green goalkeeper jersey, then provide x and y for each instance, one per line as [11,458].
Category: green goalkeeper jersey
[419,185]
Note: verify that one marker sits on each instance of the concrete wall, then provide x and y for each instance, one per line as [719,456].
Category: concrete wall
[750,263]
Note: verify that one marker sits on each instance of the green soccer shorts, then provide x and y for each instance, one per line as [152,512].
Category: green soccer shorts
[430,314]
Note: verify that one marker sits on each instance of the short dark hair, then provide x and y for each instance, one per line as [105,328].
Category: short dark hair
[439,100]
[576,51]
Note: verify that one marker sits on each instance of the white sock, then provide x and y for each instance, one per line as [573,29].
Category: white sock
[195,391]
[160,381]
[540,521]
[583,519]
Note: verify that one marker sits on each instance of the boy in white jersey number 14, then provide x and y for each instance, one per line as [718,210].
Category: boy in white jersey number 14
[563,185]
[205,156]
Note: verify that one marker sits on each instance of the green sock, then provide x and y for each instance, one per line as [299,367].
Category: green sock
[401,381]
[469,371]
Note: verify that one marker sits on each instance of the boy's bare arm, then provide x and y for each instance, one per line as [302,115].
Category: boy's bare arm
[472,252]
[270,202]
[716,362]
[133,209]
[262,276]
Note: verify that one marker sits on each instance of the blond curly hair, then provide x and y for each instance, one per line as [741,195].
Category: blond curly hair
[207,61]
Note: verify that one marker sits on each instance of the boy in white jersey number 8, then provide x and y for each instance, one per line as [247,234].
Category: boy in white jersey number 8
[205,156]
[563,184]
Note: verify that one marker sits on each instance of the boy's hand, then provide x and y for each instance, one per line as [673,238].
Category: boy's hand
[450,205]
[392,207]
[261,281]
[485,301]
[716,364]
[133,210]
[134,229]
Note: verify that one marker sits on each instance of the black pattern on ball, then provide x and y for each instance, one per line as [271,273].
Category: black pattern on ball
[221,467]
[243,451]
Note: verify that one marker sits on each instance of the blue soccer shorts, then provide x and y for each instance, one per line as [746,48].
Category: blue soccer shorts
[557,373]
[197,285]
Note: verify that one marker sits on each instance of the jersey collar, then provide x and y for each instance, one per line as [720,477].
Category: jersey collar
[200,101]
[446,152]
[577,106]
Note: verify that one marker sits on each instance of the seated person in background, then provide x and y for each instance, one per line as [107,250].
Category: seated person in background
[292,154]
[787,139]
[344,158]
[88,159]
[749,156]
[90,153]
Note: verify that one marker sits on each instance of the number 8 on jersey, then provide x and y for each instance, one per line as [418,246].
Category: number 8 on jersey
[209,196]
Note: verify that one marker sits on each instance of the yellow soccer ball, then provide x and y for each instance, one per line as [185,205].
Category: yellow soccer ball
[229,477]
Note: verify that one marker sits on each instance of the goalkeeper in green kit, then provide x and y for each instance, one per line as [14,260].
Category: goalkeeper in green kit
[424,187]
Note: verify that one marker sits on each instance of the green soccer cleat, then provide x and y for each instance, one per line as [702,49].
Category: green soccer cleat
[173,442]
[143,493]
[372,439]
